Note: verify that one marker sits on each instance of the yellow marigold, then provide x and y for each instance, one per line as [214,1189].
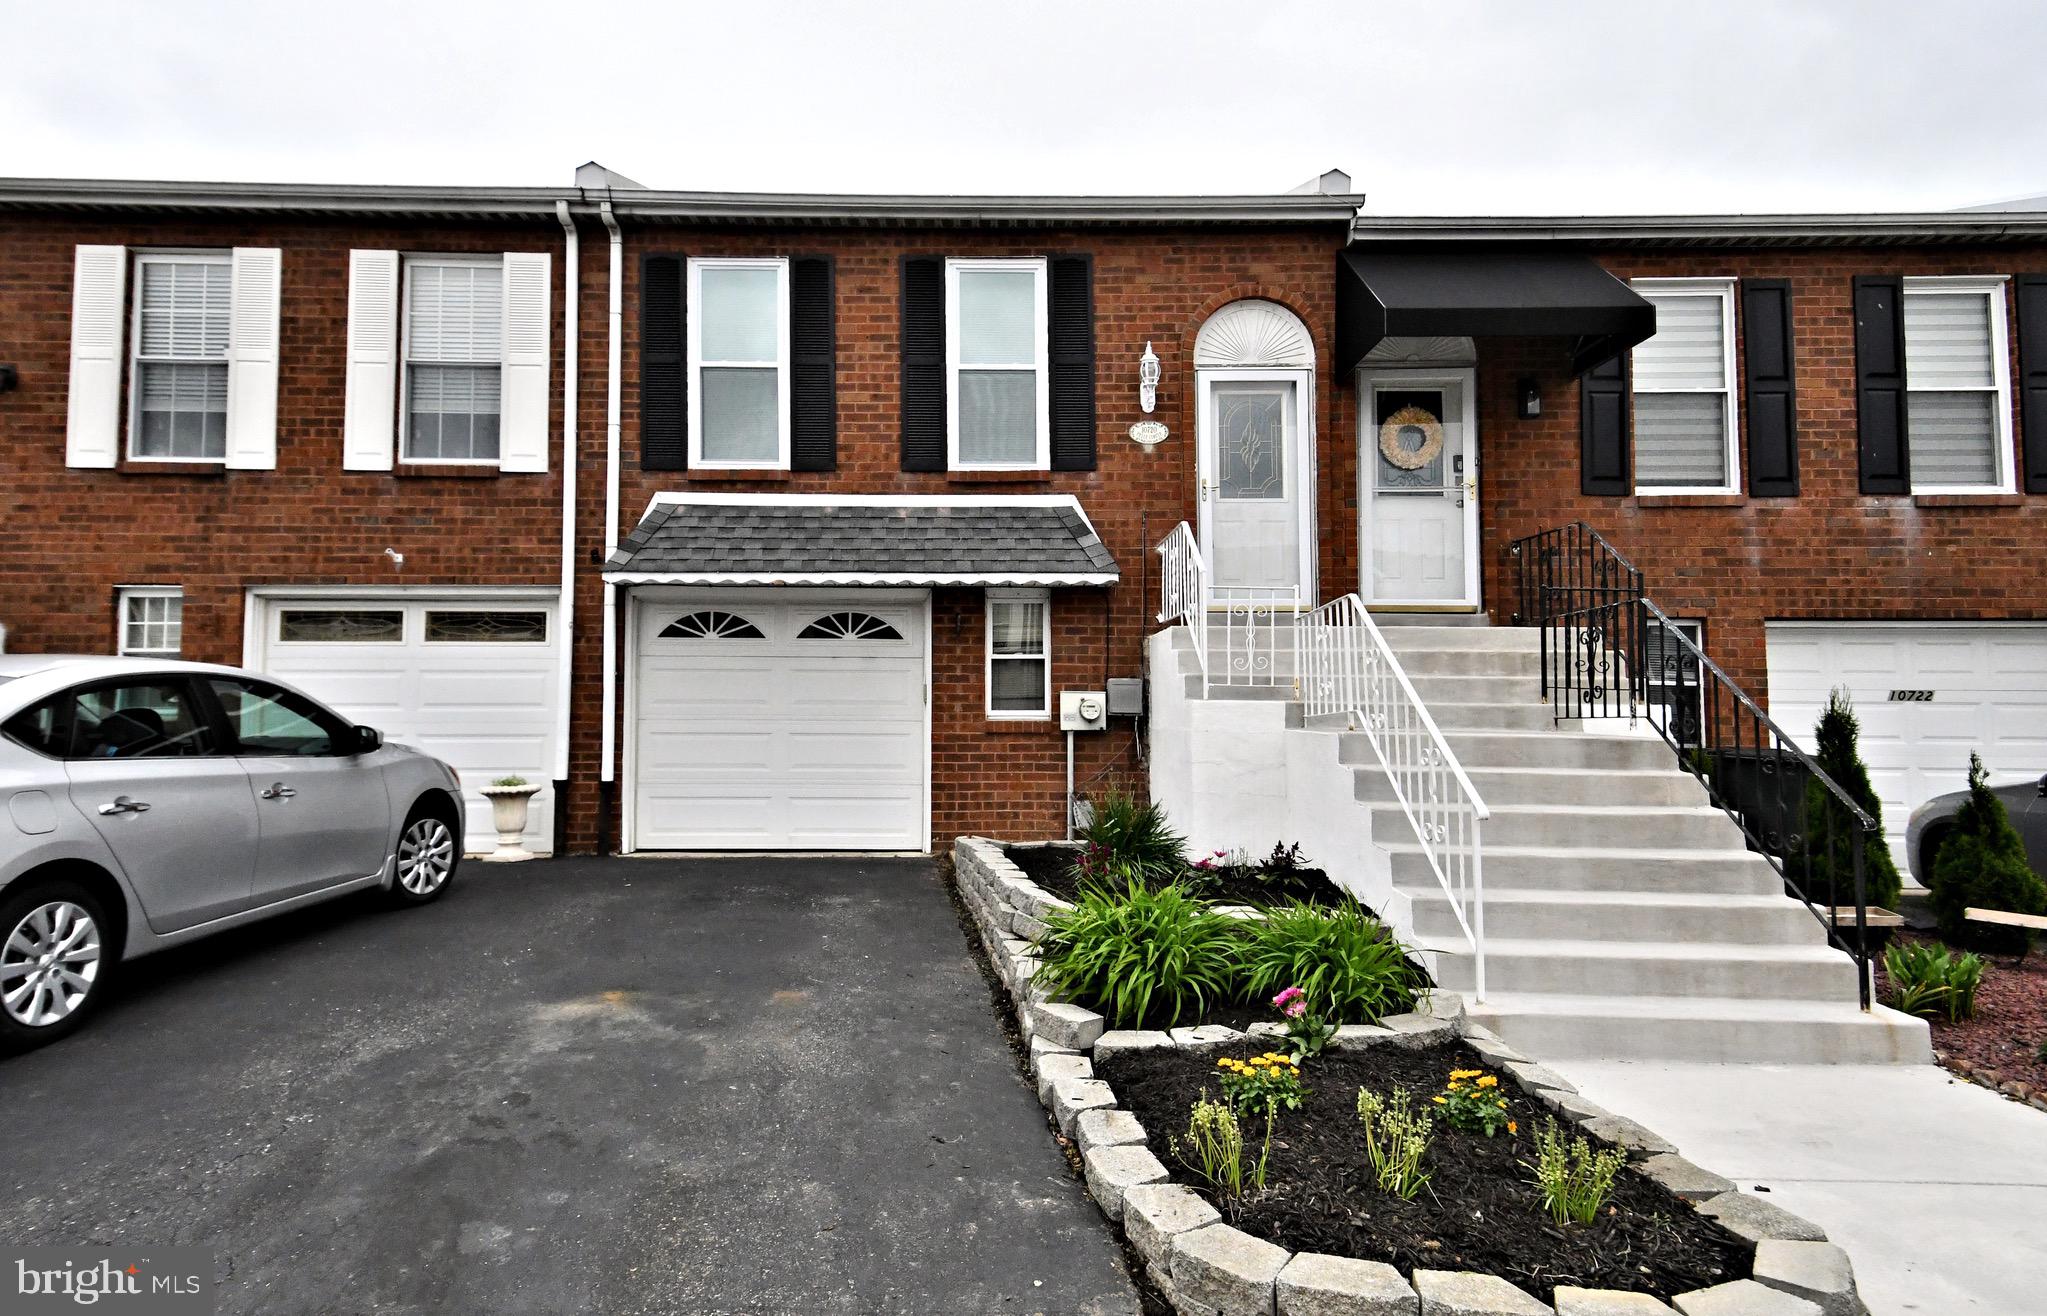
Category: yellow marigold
[1512,1127]
[1442,1101]
[1489,1082]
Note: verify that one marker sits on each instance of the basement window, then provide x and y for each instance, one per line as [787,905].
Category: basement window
[1019,674]
[152,621]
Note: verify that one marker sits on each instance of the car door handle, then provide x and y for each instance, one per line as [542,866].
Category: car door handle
[122,804]
[279,791]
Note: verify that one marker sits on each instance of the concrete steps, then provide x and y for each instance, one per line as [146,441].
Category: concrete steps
[1578,1027]
[1624,916]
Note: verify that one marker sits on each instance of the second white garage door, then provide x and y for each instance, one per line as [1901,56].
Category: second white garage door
[1927,694]
[787,720]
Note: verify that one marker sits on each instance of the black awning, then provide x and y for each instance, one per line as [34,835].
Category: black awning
[1385,291]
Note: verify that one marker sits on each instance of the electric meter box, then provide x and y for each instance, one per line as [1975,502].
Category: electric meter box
[1083,710]
[1126,696]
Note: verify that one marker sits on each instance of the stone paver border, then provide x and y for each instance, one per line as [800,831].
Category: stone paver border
[1204,1265]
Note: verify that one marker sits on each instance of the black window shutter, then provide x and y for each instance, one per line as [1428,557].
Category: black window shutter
[923,363]
[1880,384]
[2032,298]
[664,400]
[1769,388]
[813,366]
[1603,428]
[1071,301]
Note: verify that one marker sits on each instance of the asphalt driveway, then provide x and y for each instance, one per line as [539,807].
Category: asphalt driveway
[745,1085]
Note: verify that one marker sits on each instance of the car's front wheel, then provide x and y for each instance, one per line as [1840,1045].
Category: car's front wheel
[53,961]
[427,856]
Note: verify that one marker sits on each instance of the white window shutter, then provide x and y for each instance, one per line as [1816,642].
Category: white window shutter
[92,434]
[252,351]
[370,415]
[522,426]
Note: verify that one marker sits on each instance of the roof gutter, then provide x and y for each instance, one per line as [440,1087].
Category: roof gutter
[1709,230]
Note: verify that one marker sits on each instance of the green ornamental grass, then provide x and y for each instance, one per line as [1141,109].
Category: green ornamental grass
[1128,838]
[1144,957]
[1345,961]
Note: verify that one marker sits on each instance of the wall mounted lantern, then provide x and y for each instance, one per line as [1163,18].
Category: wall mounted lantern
[1148,379]
[1528,399]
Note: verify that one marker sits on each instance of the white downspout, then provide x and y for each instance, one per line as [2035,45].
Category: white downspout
[616,318]
[572,361]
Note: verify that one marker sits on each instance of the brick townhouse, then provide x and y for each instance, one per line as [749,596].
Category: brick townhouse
[778,521]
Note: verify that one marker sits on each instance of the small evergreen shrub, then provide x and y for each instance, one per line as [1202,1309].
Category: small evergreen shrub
[1982,864]
[1127,838]
[1144,957]
[1347,965]
[1840,757]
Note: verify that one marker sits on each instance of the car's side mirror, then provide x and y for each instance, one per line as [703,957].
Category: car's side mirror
[2043,783]
[368,740]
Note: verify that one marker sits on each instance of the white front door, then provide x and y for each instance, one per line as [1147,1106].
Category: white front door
[780,720]
[1419,500]
[1254,479]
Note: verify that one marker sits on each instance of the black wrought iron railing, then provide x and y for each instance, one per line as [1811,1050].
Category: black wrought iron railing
[1608,651]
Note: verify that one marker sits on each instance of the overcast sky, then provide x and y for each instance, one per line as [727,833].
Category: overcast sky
[1433,106]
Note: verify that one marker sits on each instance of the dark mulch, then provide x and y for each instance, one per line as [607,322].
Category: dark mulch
[1481,1210]
[1051,867]
[2010,1024]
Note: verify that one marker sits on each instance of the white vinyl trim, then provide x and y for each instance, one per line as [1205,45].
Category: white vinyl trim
[695,363]
[1991,289]
[1043,656]
[1723,291]
[850,578]
[92,412]
[1041,365]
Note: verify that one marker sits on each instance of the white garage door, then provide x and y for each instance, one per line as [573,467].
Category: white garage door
[784,721]
[467,679]
[1926,694]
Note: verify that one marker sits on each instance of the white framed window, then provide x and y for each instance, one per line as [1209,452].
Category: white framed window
[451,399]
[1957,386]
[1019,676]
[1676,680]
[1683,383]
[997,397]
[151,619]
[178,394]
[738,363]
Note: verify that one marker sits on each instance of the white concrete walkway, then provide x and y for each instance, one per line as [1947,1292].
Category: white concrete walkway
[1937,1189]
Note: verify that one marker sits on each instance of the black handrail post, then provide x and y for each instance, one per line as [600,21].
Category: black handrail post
[1857,838]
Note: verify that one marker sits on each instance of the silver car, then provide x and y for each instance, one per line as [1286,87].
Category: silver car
[149,803]
[2025,802]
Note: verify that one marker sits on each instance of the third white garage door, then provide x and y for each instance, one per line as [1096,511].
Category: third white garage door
[1927,694]
[782,720]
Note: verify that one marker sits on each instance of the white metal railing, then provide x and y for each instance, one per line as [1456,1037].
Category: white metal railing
[1183,590]
[1348,670]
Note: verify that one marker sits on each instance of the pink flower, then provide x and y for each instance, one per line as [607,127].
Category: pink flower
[1295,1009]
[1289,996]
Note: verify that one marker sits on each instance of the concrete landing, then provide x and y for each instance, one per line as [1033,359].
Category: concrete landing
[1934,1186]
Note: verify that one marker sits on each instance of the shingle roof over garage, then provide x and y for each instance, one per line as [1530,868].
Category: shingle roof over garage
[820,539]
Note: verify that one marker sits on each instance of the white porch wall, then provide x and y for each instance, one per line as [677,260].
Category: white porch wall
[1231,774]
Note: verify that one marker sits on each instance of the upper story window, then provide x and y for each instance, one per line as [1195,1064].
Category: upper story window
[179,388]
[454,359]
[739,363]
[1683,384]
[152,621]
[996,373]
[1957,385]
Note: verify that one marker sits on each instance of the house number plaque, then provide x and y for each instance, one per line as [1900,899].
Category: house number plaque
[1911,696]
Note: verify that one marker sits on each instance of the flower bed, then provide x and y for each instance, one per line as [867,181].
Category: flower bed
[1202,1263]
[1480,1210]
[1055,868]
[2001,1045]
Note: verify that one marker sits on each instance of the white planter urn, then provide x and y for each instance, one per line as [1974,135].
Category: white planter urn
[508,809]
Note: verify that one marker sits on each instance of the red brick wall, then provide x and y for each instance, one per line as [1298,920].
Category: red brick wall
[67,537]
[1155,285]
[1831,552]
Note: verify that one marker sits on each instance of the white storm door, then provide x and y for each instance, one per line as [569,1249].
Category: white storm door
[1253,495]
[1418,466]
